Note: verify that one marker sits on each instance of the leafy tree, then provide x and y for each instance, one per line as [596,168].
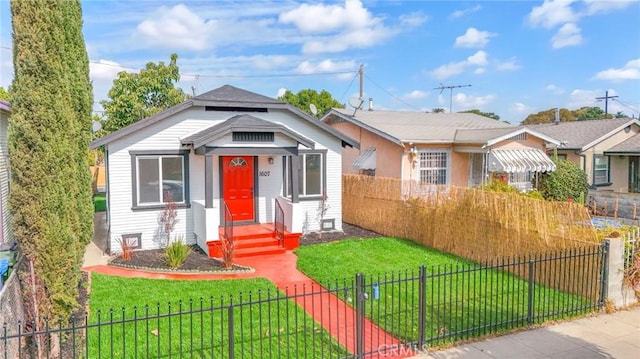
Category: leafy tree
[549,116]
[620,114]
[590,113]
[438,110]
[135,96]
[568,181]
[48,144]
[323,101]
[485,114]
[4,95]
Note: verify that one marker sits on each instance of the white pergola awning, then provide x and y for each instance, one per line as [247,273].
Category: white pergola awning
[519,160]
[366,160]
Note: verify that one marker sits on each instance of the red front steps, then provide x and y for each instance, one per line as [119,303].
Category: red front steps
[255,240]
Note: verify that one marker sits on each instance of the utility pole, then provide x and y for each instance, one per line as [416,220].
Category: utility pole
[606,102]
[442,87]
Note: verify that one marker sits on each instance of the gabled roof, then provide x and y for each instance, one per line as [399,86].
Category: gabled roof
[241,123]
[223,97]
[580,135]
[630,145]
[420,127]
[491,136]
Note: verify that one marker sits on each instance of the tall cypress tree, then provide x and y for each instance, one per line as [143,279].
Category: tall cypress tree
[48,138]
[82,101]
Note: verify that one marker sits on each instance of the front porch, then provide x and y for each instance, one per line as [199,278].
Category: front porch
[253,240]
[250,239]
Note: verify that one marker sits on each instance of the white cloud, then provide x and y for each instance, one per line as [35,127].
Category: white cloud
[554,89]
[321,18]
[630,71]
[473,38]
[416,95]
[602,7]
[519,107]
[478,59]
[552,13]
[480,71]
[105,70]
[509,65]
[177,28]
[281,91]
[568,35]
[413,19]
[341,27]
[307,67]
[460,13]
[463,101]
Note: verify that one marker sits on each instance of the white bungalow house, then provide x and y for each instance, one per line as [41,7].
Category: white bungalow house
[229,157]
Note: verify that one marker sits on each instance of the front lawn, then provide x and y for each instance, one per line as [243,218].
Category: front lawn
[192,319]
[462,298]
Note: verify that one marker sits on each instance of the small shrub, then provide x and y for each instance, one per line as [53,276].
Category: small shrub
[176,253]
[568,181]
[127,244]
[632,275]
[228,250]
[499,186]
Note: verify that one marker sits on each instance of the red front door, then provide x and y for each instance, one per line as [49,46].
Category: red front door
[237,186]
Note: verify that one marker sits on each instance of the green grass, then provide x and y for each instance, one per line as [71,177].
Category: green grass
[99,202]
[462,300]
[277,328]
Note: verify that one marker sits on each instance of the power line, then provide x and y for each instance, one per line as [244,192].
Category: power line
[391,95]
[606,102]
[442,88]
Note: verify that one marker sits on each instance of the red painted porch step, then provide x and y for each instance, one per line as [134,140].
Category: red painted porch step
[256,240]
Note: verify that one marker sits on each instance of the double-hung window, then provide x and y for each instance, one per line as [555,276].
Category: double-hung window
[311,174]
[434,167]
[600,169]
[159,179]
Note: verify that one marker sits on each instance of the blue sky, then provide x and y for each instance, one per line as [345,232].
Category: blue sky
[519,57]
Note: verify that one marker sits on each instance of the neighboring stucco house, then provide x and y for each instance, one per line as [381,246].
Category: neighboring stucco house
[459,149]
[6,232]
[224,152]
[607,150]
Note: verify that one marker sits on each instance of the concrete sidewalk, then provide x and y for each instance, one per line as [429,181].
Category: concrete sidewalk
[614,335]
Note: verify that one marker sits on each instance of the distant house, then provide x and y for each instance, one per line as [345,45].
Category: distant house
[6,232]
[459,149]
[225,156]
[607,150]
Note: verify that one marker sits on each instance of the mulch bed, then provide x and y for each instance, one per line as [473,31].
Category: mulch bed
[198,261]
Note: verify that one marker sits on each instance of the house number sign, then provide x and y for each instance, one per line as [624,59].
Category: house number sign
[264,173]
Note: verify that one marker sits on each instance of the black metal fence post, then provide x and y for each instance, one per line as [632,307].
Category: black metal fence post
[532,268]
[604,273]
[422,306]
[360,307]
[230,326]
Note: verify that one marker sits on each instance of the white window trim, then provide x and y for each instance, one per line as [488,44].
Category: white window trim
[135,181]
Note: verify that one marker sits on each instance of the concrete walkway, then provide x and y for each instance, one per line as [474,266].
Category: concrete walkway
[614,335]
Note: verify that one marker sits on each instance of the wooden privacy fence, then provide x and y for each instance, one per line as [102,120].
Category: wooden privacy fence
[472,223]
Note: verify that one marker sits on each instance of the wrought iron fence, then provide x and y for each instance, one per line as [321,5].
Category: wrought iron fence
[373,316]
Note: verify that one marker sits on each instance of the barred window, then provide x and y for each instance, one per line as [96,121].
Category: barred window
[433,167]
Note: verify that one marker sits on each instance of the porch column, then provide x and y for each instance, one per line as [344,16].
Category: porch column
[294,178]
[208,181]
